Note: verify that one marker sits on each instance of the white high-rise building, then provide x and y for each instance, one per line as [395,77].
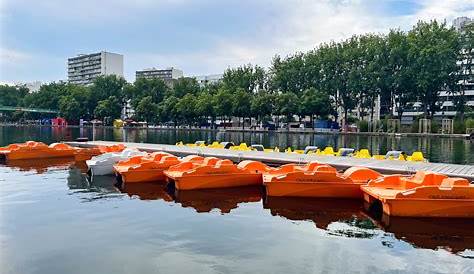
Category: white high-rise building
[84,68]
[167,74]
[208,79]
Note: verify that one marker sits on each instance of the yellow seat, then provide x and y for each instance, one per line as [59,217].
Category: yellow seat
[241,147]
[215,144]
[363,153]
[180,143]
[417,156]
[379,157]
[275,149]
[328,151]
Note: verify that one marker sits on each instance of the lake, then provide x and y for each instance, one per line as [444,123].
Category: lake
[445,150]
[53,219]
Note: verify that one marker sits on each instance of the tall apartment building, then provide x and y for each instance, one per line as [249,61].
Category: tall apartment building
[84,68]
[167,74]
[208,79]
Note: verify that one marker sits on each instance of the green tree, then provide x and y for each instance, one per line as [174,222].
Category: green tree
[249,78]
[287,104]
[47,96]
[76,104]
[241,105]
[110,107]
[262,105]
[12,95]
[433,54]
[205,106]
[224,104]
[315,103]
[185,85]
[186,108]
[167,110]
[104,87]
[146,110]
[143,87]
[400,77]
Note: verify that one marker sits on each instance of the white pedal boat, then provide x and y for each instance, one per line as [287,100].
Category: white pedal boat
[104,164]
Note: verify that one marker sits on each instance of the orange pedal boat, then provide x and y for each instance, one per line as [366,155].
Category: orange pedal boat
[145,168]
[216,174]
[84,154]
[319,181]
[35,150]
[425,194]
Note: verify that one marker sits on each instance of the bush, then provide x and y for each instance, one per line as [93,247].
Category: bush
[459,126]
[435,126]
[363,126]
[469,123]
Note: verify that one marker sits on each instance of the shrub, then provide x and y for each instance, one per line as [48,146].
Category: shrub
[363,126]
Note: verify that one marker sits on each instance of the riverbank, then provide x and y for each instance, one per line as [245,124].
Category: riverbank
[261,130]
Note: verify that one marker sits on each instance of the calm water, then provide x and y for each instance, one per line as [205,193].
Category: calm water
[435,149]
[54,220]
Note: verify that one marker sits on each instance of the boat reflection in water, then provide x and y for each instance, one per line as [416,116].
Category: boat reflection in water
[453,235]
[146,191]
[99,187]
[40,165]
[223,199]
[324,212]
[338,217]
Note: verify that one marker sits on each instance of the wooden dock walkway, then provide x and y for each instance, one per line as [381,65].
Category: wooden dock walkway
[278,158]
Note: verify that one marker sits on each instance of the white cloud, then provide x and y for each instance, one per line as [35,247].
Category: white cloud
[300,26]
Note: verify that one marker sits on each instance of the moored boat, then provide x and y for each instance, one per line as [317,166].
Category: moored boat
[216,174]
[322,181]
[36,150]
[147,168]
[425,194]
[83,154]
[103,164]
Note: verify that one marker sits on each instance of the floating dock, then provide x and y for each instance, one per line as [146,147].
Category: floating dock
[279,158]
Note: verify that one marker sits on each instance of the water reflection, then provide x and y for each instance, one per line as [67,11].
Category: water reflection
[324,212]
[224,200]
[40,165]
[146,191]
[338,217]
[97,188]
[454,235]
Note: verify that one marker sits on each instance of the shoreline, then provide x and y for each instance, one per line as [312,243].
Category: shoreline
[248,130]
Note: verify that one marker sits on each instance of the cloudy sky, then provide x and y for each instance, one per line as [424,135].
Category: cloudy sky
[199,36]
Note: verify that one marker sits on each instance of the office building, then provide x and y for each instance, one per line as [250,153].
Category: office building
[208,79]
[84,68]
[166,75]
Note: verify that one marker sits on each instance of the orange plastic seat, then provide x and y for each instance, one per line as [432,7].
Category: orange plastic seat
[425,194]
[321,181]
[219,174]
[145,168]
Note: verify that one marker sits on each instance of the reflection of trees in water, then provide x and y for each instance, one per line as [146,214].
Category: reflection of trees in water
[340,217]
[451,234]
[97,188]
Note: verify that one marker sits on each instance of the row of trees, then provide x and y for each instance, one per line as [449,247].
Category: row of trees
[399,67]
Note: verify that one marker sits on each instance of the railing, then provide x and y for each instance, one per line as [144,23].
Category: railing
[38,110]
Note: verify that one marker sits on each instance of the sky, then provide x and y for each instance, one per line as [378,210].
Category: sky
[200,37]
